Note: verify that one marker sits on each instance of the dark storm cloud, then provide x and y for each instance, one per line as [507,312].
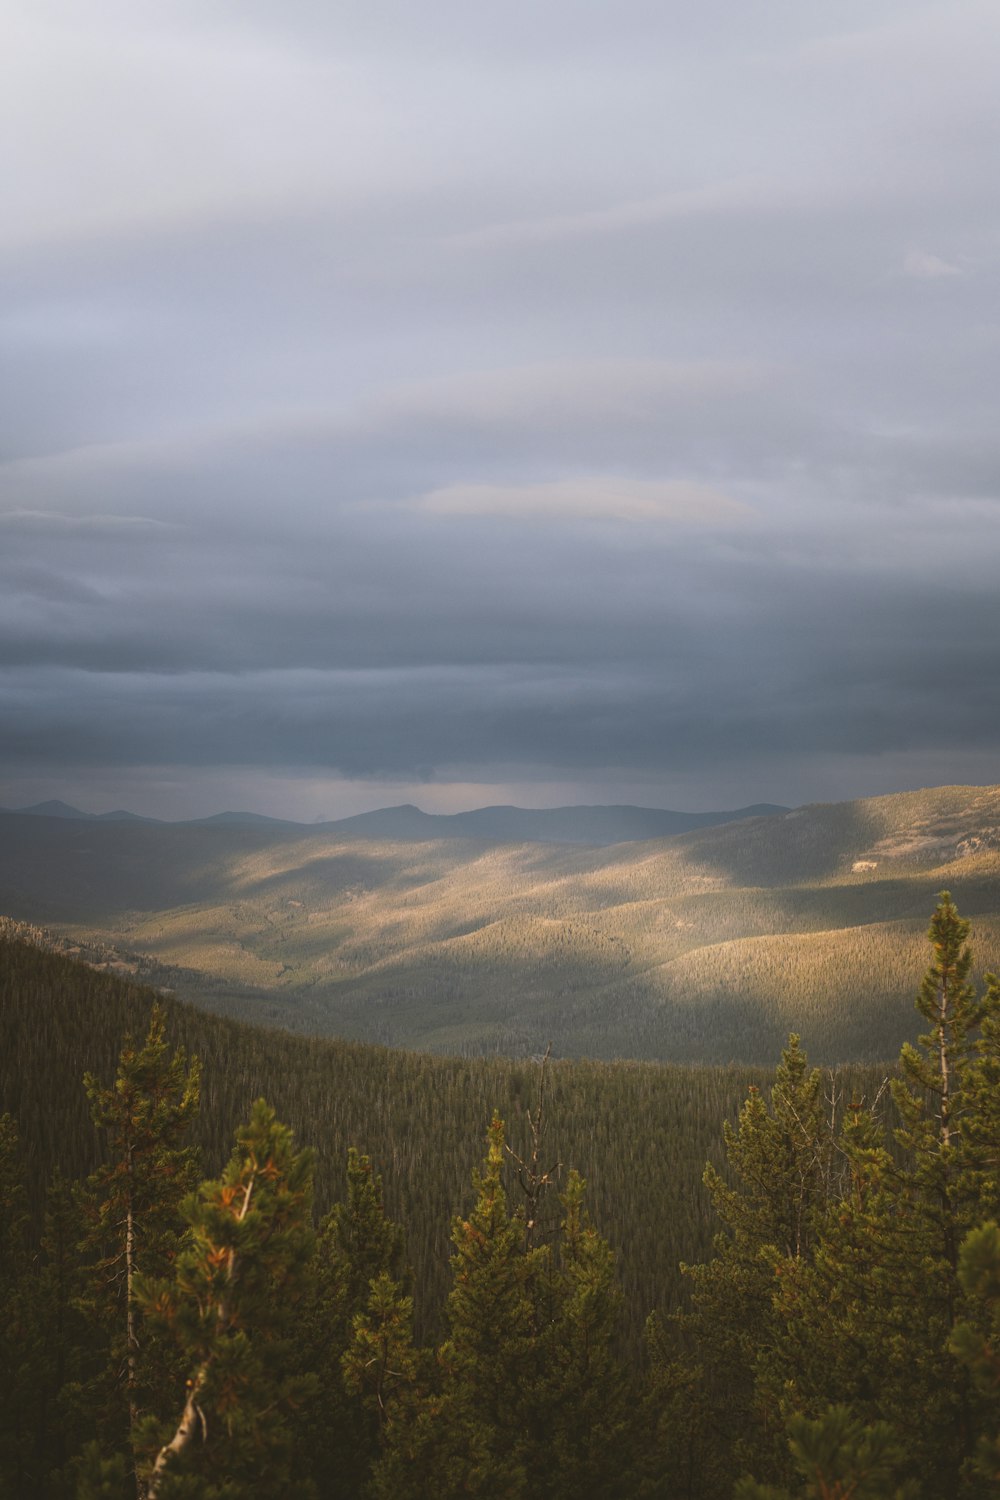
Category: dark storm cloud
[692,678]
[531,392]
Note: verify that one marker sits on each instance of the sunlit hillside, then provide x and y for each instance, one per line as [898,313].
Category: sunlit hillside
[704,946]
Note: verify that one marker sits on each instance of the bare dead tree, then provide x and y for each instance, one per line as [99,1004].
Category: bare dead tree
[532,1179]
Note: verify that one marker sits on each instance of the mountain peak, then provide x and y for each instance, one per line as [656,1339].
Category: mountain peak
[52,809]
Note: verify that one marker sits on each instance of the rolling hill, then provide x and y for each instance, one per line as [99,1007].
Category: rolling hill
[707,945]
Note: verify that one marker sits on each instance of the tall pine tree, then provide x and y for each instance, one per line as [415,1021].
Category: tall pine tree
[231,1308]
[868,1321]
[357,1246]
[132,1202]
[579,1401]
[781,1160]
[466,1437]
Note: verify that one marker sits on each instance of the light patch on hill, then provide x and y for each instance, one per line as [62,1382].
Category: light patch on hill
[702,946]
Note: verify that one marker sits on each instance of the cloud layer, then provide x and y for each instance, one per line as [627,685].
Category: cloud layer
[538,399]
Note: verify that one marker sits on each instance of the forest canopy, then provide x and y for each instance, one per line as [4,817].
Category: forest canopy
[823,1321]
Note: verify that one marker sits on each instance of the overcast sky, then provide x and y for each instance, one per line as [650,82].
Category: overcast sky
[543,402]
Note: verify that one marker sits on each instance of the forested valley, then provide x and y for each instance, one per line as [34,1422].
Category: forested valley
[236,1262]
[699,947]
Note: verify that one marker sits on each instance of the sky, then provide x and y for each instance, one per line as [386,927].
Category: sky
[458,404]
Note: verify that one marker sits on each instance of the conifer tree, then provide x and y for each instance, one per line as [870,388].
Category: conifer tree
[380,1365]
[781,1159]
[868,1320]
[681,1454]
[357,1242]
[835,1310]
[490,1326]
[930,1096]
[231,1307]
[976,1343]
[132,1200]
[466,1437]
[357,1246]
[980,1120]
[530,1399]
[920,1391]
[838,1458]
[579,1401]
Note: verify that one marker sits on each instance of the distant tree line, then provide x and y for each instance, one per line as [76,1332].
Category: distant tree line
[169,1334]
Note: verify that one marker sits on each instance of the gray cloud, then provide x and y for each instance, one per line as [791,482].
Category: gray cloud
[536,397]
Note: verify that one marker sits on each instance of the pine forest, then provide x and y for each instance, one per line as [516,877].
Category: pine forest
[238,1262]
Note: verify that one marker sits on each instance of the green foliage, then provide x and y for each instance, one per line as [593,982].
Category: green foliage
[44,1352]
[530,1399]
[99,1478]
[979,1122]
[933,1204]
[578,1405]
[466,1436]
[414,1114]
[928,1096]
[355,1333]
[357,1241]
[837,1311]
[842,1342]
[59,1399]
[976,1342]
[230,1308]
[865,1319]
[380,1365]
[838,1458]
[781,1160]
[491,1324]
[131,1203]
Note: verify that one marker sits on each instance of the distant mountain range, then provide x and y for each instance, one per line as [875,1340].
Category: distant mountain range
[596,826]
[56,809]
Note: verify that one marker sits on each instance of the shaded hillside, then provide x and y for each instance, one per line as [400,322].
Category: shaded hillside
[556,825]
[706,946]
[639,1134]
